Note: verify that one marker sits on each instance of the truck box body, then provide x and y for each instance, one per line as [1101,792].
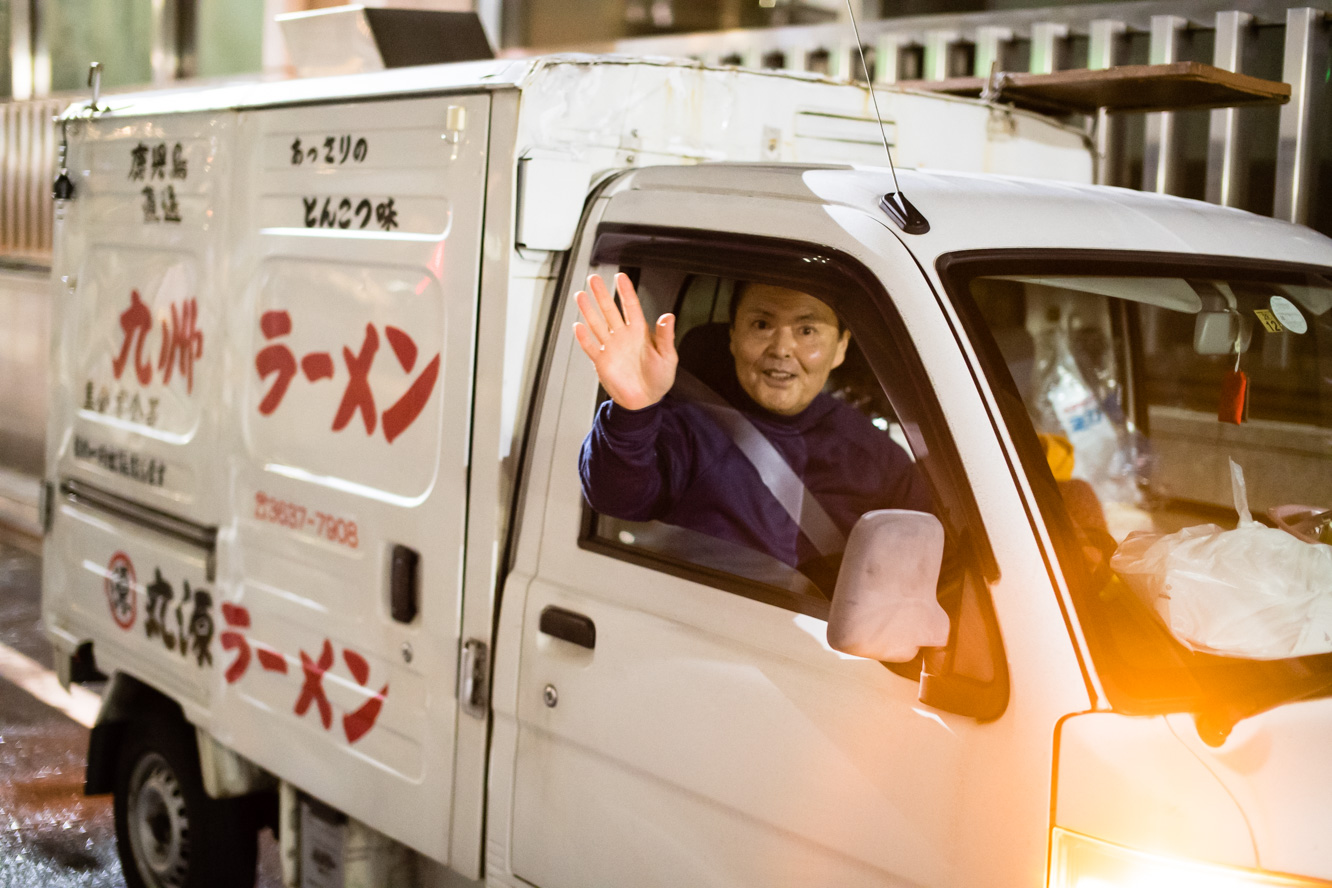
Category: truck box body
[313,475]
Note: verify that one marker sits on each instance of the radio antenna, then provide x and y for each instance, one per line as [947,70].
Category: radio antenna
[894,203]
[864,69]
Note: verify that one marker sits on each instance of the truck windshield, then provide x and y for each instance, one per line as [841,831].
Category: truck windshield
[1129,389]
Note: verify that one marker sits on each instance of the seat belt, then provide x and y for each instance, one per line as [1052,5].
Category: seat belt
[777,475]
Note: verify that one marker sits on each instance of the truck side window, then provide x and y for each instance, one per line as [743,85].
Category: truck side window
[719,505]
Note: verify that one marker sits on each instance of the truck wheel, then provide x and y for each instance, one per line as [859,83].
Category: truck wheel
[169,833]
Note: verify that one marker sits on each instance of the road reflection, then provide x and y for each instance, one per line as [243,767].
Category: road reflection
[50,833]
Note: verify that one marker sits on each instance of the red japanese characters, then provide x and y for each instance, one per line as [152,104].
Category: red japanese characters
[182,341]
[278,361]
[355,724]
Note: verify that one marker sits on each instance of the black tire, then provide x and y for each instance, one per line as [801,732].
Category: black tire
[169,833]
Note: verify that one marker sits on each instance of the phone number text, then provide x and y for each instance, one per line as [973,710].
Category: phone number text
[296,517]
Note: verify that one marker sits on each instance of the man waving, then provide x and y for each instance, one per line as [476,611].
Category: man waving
[762,457]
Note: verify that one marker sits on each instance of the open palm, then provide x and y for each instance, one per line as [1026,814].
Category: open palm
[635,362]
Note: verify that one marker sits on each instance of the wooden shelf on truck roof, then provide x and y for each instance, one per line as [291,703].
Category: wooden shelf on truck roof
[1171,87]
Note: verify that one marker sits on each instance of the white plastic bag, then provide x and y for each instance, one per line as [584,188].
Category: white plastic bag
[1071,407]
[1254,591]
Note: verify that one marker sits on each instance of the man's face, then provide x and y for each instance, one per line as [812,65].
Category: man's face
[785,343]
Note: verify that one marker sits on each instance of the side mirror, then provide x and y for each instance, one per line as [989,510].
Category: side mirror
[885,606]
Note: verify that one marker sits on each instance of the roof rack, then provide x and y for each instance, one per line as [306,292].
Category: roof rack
[1177,86]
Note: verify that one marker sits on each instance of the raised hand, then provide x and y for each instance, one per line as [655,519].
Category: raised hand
[635,362]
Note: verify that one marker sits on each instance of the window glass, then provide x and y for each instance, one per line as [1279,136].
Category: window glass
[852,458]
[1126,380]
[1141,386]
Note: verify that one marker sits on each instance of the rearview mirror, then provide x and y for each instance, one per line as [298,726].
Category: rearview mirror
[1218,327]
[885,606]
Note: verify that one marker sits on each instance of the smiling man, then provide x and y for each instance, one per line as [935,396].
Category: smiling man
[762,456]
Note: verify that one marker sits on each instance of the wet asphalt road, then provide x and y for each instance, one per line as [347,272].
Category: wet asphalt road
[51,835]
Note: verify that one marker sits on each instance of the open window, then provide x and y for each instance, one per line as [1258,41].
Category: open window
[880,388]
[702,303]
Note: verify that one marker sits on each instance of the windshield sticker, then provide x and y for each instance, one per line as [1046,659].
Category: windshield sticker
[1268,320]
[1288,315]
[312,695]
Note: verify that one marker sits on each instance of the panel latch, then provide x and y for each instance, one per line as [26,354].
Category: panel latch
[474,678]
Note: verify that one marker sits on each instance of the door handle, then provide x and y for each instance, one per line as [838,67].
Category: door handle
[404,584]
[569,626]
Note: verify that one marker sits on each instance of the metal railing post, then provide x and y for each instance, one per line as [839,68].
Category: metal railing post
[1047,45]
[1305,69]
[20,50]
[990,41]
[1161,153]
[1105,49]
[937,51]
[885,57]
[165,58]
[1227,140]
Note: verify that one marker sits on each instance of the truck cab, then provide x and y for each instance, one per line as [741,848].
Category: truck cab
[1053,672]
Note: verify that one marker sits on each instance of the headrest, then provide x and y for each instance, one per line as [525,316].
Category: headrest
[705,351]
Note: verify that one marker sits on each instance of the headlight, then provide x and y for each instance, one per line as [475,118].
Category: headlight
[1078,861]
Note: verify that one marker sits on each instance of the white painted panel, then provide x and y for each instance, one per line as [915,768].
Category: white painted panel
[142,344]
[138,311]
[1276,766]
[327,328]
[1132,782]
[146,599]
[351,336]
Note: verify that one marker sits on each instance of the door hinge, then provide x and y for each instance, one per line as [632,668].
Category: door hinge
[474,678]
[46,506]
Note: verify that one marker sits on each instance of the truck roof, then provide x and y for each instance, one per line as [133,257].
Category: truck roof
[617,111]
[970,211]
[496,74]
[266,92]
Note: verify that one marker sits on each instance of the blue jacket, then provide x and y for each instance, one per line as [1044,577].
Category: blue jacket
[671,462]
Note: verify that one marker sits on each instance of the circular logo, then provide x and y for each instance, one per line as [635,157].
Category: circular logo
[1288,314]
[120,592]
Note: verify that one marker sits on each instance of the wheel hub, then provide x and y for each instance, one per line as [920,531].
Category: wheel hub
[159,827]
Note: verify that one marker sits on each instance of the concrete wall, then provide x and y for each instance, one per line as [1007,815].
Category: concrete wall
[230,37]
[117,34]
[25,332]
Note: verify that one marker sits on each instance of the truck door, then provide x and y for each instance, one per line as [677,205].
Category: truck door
[352,353]
[677,716]
[137,367]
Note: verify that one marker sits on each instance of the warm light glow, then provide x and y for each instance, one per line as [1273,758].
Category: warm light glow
[1083,862]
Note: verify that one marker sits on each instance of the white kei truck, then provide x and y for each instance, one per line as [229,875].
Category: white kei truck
[314,512]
